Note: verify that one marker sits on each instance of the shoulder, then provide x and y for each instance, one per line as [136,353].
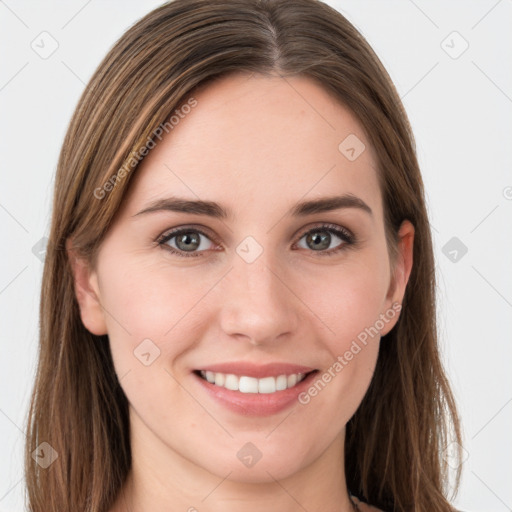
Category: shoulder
[365,507]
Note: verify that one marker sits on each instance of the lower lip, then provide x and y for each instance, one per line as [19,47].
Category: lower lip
[256,404]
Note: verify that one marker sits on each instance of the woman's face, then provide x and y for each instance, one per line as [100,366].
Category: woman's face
[255,286]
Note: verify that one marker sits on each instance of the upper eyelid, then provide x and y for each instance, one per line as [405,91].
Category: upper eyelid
[170,233]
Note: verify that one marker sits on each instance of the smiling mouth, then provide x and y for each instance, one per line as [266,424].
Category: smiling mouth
[245,384]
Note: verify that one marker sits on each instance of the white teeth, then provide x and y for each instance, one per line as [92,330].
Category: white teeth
[220,379]
[267,385]
[281,383]
[246,384]
[231,382]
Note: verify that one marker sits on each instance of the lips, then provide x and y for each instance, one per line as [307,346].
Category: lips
[255,390]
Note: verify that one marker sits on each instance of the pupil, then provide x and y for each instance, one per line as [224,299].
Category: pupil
[320,241]
[190,241]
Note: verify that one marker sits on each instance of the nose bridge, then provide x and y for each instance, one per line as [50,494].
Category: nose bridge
[256,302]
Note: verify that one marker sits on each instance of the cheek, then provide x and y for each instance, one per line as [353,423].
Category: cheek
[347,298]
[146,297]
[146,300]
[148,310]
[349,304]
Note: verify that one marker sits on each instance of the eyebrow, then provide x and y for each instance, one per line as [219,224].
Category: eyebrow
[215,210]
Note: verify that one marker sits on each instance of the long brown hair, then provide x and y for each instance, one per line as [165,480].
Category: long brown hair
[395,441]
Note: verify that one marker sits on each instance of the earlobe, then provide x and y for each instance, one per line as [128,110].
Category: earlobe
[403,268]
[87,292]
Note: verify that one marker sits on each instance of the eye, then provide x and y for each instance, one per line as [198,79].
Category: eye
[320,238]
[187,240]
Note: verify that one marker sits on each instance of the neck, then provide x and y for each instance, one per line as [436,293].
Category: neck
[161,479]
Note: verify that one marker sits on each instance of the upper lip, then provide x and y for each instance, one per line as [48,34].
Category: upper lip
[258,371]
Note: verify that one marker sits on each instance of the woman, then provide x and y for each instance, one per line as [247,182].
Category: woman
[238,300]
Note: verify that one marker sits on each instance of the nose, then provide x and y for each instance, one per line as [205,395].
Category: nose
[258,302]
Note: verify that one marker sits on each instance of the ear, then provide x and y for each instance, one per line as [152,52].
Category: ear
[86,292]
[401,273]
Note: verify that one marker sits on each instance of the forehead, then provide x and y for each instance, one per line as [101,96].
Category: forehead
[251,141]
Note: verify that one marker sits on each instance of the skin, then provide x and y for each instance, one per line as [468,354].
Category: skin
[274,142]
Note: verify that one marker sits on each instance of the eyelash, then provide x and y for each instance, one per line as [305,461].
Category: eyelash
[344,234]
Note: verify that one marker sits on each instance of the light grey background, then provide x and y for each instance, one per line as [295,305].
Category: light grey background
[460,107]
